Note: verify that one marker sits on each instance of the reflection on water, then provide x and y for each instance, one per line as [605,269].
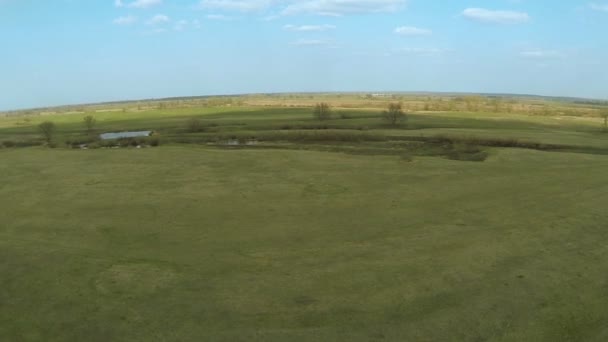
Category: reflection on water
[119,135]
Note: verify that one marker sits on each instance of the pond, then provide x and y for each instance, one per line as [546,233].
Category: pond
[120,135]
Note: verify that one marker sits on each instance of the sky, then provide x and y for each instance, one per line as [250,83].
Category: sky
[56,52]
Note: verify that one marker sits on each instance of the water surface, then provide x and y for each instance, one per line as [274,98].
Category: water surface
[119,135]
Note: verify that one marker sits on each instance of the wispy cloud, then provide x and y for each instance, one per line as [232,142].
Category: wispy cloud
[540,54]
[309,28]
[158,19]
[181,25]
[143,4]
[412,31]
[158,30]
[343,7]
[496,17]
[599,7]
[237,5]
[218,17]
[311,42]
[127,20]
[317,7]
[422,51]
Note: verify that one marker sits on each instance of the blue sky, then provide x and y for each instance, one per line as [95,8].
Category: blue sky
[74,51]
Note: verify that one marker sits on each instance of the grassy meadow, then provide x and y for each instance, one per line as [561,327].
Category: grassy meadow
[460,224]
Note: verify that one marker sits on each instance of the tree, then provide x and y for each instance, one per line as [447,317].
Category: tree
[89,123]
[322,111]
[47,130]
[394,114]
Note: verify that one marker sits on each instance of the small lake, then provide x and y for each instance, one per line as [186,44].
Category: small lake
[120,135]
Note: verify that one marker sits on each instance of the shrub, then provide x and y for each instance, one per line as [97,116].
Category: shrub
[155,142]
[466,152]
[47,130]
[194,125]
[108,143]
[89,123]
[125,142]
[407,157]
[345,115]
[9,144]
[76,143]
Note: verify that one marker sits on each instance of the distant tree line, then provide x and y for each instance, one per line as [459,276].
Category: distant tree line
[393,115]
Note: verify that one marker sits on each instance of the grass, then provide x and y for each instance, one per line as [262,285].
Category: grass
[290,240]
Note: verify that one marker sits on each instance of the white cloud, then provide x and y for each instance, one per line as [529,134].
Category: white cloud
[540,54]
[412,31]
[318,7]
[599,7]
[422,51]
[181,25]
[159,30]
[496,17]
[158,19]
[237,5]
[271,17]
[138,3]
[309,28]
[218,17]
[310,42]
[343,7]
[127,20]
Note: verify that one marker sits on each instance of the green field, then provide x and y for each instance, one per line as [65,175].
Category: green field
[345,230]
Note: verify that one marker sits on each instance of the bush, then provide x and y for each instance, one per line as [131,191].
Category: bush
[407,157]
[194,125]
[47,130]
[155,142]
[125,142]
[89,123]
[490,142]
[466,152]
[76,143]
[9,144]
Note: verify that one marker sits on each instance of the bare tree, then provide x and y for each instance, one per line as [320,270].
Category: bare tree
[394,114]
[47,130]
[322,111]
[89,123]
